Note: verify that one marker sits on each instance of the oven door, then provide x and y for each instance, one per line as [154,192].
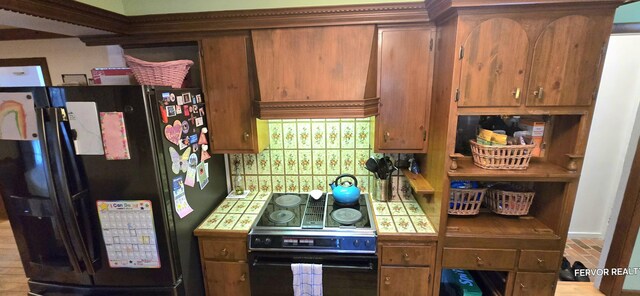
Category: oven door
[342,274]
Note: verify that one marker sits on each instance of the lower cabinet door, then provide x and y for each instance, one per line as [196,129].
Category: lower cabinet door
[227,278]
[403,281]
[535,284]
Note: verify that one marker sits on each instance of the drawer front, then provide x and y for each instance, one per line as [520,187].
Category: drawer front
[409,255]
[481,259]
[535,260]
[224,250]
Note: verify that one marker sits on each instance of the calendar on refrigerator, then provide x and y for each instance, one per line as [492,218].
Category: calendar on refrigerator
[129,234]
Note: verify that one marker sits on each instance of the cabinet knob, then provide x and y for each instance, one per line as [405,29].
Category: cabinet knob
[540,261]
[387,280]
[386,136]
[516,93]
[522,286]
[479,261]
[539,92]
[224,252]
[245,136]
[243,277]
[405,256]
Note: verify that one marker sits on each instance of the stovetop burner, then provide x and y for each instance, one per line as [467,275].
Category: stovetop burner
[281,216]
[288,200]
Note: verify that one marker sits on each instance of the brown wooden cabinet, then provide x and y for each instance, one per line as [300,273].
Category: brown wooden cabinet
[227,278]
[541,58]
[566,62]
[405,65]
[229,88]
[224,263]
[493,60]
[405,268]
[400,281]
[535,284]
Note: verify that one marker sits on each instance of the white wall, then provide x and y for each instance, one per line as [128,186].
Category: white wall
[609,139]
[64,56]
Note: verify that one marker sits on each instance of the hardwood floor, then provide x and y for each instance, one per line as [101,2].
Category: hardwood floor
[12,278]
[13,281]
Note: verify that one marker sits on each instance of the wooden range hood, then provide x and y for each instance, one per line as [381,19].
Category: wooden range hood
[320,72]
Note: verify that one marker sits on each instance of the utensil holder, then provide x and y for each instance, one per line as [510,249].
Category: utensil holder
[383,187]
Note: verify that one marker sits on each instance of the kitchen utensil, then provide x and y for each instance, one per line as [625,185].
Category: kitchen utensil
[383,189]
[316,194]
[383,168]
[345,192]
[372,166]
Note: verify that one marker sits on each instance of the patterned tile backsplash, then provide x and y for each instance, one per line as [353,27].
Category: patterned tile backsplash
[307,154]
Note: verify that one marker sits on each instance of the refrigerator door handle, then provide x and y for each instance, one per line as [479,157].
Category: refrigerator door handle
[58,115]
[64,235]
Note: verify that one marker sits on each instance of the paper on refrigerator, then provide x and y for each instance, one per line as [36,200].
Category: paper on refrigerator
[83,118]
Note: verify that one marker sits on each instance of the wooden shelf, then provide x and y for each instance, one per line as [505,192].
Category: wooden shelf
[537,171]
[419,184]
[489,225]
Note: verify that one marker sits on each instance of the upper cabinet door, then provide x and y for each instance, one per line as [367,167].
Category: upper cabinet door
[493,62]
[566,62]
[228,89]
[405,65]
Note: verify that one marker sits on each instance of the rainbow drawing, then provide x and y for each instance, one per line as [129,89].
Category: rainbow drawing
[12,107]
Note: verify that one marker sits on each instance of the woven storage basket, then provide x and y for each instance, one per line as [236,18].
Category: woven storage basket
[508,202]
[170,73]
[507,157]
[465,201]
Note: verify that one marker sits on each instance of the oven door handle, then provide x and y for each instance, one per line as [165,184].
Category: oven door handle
[369,266]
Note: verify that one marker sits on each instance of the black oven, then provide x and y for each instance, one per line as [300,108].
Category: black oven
[342,274]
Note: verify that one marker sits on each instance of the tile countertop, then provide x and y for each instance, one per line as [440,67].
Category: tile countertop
[400,216]
[236,214]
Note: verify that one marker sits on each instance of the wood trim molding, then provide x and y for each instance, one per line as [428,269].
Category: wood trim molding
[630,293]
[26,34]
[317,109]
[152,28]
[72,12]
[42,62]
[625,233]
[626,28]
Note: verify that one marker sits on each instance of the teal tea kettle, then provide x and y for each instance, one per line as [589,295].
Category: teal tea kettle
[345,192]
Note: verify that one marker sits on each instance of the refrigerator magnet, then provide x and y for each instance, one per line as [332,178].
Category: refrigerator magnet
[185,127]
[163,114]
[203,138]
[178,110]
[193,139]
[172,98]
[180,199]
[173,132]
[203,176]
[201,111]
[187,110]
[186,98]
[204,155]
[198,99]
[171,111]
[179,163]
[166,97]
[179,100]
[195,147]
[114,136]
[199,121]
[184,143]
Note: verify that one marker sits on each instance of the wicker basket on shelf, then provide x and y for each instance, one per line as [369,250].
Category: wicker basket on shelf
[511,202]
[505,157]
[465,202]
[171,73]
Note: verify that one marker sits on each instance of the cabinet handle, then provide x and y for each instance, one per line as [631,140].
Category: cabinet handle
[245,136]
[540,262]
[386,136]
[405,256]
[243,277]
[516,93]
[539,93]
[224,252]
[479,261]
[522,286]
[387,280]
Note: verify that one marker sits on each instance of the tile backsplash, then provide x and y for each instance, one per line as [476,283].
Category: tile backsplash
[307,154]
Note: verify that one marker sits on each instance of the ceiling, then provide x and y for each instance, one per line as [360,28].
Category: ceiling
[146,7]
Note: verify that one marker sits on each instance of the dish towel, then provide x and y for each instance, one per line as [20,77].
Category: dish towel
[307,279]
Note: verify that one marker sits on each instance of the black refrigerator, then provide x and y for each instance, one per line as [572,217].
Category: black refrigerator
[101,192]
